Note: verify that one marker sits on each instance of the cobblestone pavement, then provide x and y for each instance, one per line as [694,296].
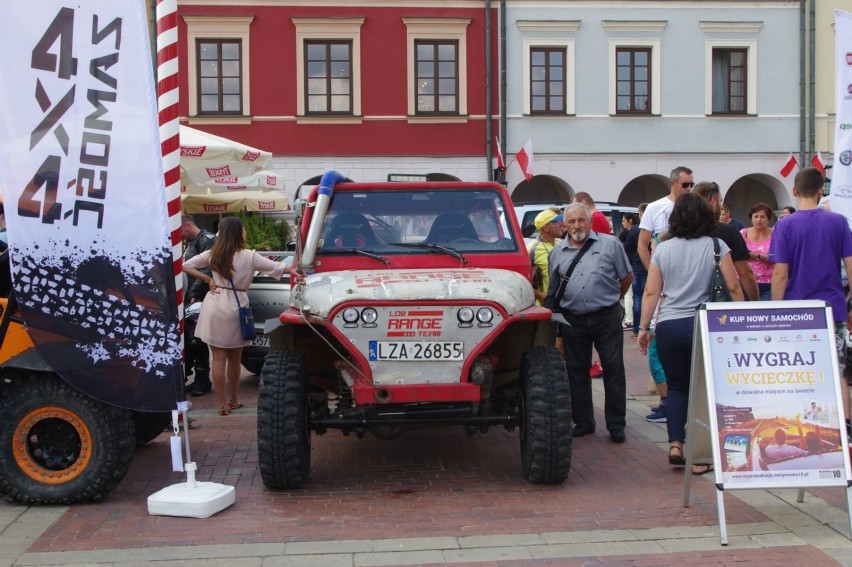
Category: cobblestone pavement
[434,497]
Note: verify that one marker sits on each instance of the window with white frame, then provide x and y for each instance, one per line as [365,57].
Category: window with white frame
[730,77]
[437,67]
[634,67]
[218,48]
[328,68]
[548,66]
[635,77]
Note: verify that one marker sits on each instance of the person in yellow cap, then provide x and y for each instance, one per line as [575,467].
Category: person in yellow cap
[550,228]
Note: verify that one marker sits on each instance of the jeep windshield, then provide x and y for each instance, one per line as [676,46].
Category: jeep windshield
[388,222]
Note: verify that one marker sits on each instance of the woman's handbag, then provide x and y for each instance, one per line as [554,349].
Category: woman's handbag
[718,289]
[246,317]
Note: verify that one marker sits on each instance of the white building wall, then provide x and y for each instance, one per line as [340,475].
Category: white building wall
[594,151]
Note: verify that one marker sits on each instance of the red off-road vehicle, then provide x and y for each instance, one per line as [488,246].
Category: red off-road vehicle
[411,303]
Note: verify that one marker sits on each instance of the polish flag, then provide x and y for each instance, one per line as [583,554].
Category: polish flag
[525,160]
[500,161]
[789,165]
[816,161]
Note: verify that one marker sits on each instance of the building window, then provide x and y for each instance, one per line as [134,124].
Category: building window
[218,48]
[730,70]
[633,80]
[437,77]
[328,84]
[730,84]
[328,69]
[547,80]
[219,77]
[437,69]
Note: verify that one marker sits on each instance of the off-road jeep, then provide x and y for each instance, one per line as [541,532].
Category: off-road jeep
[411,303]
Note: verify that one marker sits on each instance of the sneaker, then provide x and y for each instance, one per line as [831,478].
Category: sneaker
[657,415]
[661,405]
[627,326]
[596,371]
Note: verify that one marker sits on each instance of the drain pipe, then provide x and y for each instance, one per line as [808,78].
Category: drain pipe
[503,134]
[802,83]
[325,191]
[812,79]
[488,92]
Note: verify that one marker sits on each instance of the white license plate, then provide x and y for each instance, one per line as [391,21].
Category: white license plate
[416,351]
[260,340]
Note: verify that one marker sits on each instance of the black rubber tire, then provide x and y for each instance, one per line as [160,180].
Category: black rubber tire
[283,429]
[149,426]
[43,420]
[545,431]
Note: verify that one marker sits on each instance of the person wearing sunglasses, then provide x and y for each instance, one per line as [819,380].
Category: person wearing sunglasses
[656,217]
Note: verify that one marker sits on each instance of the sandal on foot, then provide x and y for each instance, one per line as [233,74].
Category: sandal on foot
[676,456]
[235,405]
[701,469]
[224,411]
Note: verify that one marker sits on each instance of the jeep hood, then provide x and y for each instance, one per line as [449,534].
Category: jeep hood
[322,292]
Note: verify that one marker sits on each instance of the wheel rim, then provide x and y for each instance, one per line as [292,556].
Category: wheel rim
[52,445]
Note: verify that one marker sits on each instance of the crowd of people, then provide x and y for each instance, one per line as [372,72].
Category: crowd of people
[664,257]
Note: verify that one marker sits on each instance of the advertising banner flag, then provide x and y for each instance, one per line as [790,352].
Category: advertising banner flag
[841,172]
[81,174]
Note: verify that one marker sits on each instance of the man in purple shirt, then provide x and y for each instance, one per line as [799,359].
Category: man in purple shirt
[807,250]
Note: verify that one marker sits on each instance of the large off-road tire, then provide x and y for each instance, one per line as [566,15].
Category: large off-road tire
[283,428]
[57,445]
[545,432]
[149,426]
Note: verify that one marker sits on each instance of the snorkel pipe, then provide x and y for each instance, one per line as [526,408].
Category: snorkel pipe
[324,193]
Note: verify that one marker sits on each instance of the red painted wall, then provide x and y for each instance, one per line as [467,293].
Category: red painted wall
[383,86]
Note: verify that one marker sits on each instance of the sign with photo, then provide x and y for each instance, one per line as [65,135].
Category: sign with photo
[774,396]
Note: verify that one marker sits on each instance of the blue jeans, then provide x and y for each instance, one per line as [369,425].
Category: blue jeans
[639,277]
[674,345]
[601,330]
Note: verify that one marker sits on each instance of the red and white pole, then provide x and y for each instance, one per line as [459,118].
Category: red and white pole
[167,103]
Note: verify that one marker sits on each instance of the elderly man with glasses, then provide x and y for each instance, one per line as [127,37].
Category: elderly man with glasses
[586,288]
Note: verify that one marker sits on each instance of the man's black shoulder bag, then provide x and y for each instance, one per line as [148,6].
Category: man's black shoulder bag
[552,302]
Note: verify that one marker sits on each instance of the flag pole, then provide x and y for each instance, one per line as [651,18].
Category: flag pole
[190,499]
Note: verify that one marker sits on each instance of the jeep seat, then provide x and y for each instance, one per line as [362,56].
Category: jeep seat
[451,226]
[349,230]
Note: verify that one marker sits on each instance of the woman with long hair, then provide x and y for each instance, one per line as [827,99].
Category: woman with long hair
[758,237]
[679,280]
[233,268]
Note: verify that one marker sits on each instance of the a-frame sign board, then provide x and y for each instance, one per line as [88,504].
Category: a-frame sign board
[765,400]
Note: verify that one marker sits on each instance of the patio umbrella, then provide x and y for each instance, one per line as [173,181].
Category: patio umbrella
[234,201]
[209,161]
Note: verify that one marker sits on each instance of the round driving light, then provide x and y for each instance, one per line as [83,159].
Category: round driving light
[484,315]
[350,315]
[369,315]
[465,315]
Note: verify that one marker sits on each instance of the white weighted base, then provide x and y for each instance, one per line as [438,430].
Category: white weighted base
[199,501]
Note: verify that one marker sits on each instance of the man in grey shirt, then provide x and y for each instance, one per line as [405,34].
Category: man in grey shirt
[589,301]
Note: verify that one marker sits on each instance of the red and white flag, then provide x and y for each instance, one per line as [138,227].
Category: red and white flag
[789,165]
[500,161]
[816,161]
[525,160]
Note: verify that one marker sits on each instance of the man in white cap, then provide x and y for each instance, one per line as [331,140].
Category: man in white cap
[550,228]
